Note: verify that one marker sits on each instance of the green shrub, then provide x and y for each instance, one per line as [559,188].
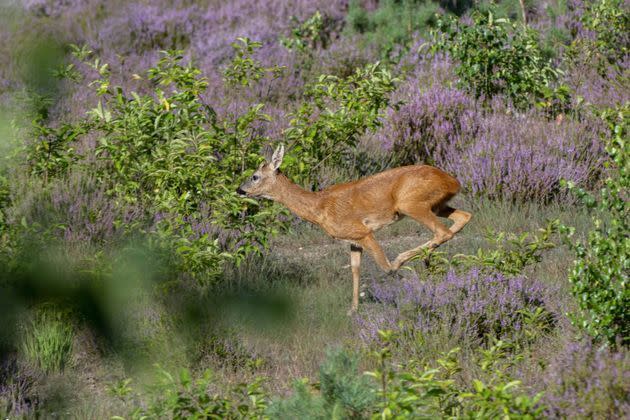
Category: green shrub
[497,57]
[47,341]
[392,26]
[599,277]
[244,70]
[340,384]
[166,152]
[189,397]
[51,152]
[607,42]
[497,398]
[326,127]
[343,393]
[509,253]
[305,403]
[314,32]
[415,389]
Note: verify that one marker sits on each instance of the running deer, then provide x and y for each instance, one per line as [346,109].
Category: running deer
[355,210]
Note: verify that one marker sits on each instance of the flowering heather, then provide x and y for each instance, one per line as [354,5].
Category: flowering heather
[17,381]
[523,156]
[608,90]
[79,208]
[51,8]
[139,27]
[498,153]
[434,116]
[585,382]
[472,305]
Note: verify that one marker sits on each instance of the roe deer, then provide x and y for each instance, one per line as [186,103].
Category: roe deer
[354,210]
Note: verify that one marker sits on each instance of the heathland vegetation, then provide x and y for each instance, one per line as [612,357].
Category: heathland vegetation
[136,283]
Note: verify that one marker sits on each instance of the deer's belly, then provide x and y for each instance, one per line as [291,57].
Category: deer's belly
[375,222]
[354,226]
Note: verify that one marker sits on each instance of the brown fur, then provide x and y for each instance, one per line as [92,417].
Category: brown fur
[353,211]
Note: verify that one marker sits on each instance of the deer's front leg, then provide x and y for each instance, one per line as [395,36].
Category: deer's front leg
[355,265]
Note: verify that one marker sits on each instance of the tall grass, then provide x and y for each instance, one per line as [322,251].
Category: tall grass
[47,341]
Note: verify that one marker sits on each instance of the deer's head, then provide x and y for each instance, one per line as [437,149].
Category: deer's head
[262,182]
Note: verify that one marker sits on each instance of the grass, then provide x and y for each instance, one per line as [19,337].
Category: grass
[47,341]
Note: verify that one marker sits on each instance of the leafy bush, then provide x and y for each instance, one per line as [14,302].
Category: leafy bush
[314,32]
[326,127]
[47,341]
[599,278]
[499,57]
[303,404]
[342,392]
[168,154]
[601,34]
[392,24]
[339,383]
[509,254]
[243,70]
[188,397]
[414,389]
[52,153]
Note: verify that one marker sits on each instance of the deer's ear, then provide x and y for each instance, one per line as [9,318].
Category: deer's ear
[276,159]
[267,152]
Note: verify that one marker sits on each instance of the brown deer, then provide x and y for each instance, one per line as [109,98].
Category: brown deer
[355,210]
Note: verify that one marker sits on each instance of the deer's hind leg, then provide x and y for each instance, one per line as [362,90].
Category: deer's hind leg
[429,219]
[374,248]
[459,217]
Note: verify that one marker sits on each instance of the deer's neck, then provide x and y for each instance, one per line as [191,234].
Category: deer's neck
[303,203]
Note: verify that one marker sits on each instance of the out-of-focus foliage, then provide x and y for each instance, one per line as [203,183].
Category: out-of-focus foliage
[600,275]
[392,25]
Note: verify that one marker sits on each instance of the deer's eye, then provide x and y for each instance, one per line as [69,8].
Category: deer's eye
[255,177]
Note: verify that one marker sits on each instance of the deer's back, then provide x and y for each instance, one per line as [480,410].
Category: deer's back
[375,201]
